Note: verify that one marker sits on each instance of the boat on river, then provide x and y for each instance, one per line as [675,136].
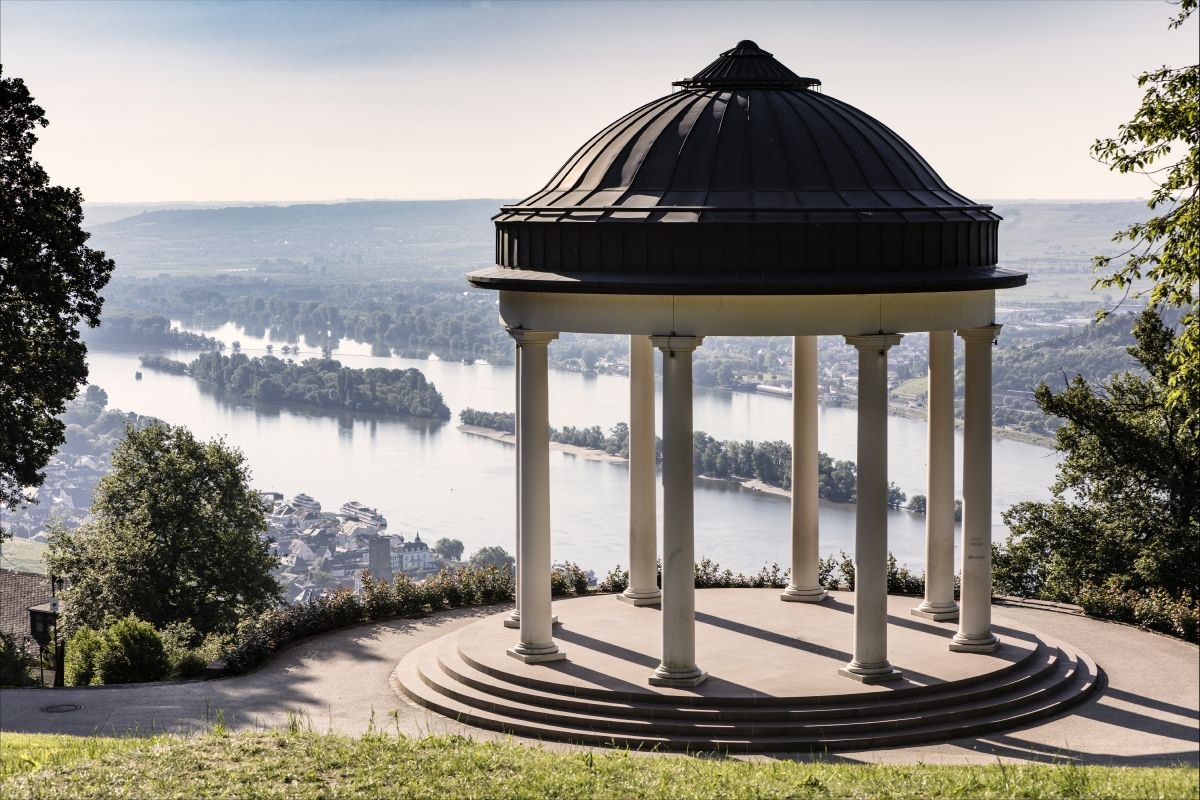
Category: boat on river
[356,510]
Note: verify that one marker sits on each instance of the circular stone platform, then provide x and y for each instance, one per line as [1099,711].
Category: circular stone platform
[773,678]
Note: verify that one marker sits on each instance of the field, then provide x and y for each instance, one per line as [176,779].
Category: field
[22,555]
[301,764]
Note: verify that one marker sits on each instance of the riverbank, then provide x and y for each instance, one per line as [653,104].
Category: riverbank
[591,454]
[586,453]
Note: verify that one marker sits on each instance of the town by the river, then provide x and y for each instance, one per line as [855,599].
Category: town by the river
[432,478]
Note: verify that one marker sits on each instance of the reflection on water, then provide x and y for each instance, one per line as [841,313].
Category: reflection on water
[429,477]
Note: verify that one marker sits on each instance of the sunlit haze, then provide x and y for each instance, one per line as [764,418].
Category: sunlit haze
[318,101]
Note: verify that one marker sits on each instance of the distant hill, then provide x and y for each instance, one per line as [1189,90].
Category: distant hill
[381,236]
[1062,235]
[394,238]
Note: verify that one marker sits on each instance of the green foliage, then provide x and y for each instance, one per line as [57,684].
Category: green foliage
[1166,247]
[163,364]
[1152,609]
[131,653]
[323,383]
[917,504]
[15,663]
[616,581]
[128,651]
[126,328]
[1126,505]
[492,556]
[50,283]
[261,636]
[79,660]
[175,537]
[449,549]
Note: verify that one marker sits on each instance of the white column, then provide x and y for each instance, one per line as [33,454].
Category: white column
[643,534]
[513,620]
[975,614]
[533,463]
[678,667]
[870,663]
[806,584]
[939,602]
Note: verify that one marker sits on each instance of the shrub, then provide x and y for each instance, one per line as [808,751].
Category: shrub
[79,661]
[560,584]
[1154,610]
[15,662]
[616,581]
[132,652]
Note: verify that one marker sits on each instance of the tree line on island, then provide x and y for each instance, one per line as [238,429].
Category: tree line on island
[318,382]
[767,462]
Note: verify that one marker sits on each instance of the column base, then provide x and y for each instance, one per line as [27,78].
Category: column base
[641,598]
[870,673]
[803,594]
[974,644]
[536,654]
[936,613]
[679,678]
[514,620]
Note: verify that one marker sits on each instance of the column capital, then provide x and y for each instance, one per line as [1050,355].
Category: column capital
[985,333]
[676,344]
[524,336]
[874,341]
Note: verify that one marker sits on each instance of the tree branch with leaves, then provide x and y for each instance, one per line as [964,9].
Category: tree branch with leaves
[1162,142]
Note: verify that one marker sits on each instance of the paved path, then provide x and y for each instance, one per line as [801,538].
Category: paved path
[1148,714]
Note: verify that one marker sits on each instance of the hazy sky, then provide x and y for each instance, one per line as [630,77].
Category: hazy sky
[152,101]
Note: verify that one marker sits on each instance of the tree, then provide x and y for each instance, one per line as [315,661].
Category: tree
[493,556]
[175,537]
[895,496]
[1166,247]
[1126,504]
[449,549]
[917,504]
[49,283]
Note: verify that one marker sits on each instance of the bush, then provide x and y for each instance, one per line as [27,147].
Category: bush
[15,663]
[616,581]
[79,661]
[1155,610]
[132,653]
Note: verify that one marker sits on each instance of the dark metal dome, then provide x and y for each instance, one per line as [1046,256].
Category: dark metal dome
[761,185]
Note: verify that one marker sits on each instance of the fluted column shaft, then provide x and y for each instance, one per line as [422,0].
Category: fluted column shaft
[513,620]
[643,534]
[533,463]
[975,611]
[938,603]
[805,585]
[678,667]
[870,663]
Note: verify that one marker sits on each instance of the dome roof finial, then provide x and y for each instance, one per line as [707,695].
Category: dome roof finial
[747,66]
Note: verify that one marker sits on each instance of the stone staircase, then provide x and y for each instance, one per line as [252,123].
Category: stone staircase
[454,677]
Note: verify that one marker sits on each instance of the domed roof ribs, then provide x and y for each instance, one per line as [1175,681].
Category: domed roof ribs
[624,171]
[688,122]
[908,156]
[591,145]
[712,162]
[785,153]
[813,148]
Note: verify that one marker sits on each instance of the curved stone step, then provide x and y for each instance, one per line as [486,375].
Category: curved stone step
[498,666]
[776,720]
[1087,678]
[1061,680]
[1032,670]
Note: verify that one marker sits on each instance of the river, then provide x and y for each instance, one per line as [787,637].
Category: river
[431,478]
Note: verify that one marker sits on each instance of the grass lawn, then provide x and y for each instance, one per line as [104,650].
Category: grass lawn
[23,555]
[911,389]
[302,764]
